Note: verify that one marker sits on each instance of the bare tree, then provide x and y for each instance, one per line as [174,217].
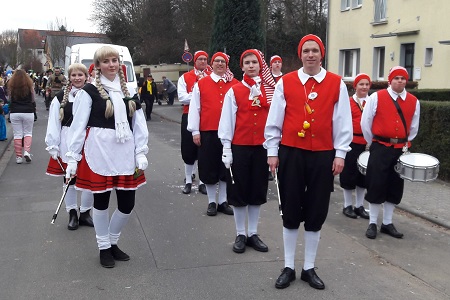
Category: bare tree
[57,41]
[8,47]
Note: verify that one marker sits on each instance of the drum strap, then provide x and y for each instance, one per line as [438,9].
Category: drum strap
[400,112]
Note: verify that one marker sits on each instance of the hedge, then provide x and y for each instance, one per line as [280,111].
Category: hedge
[434,134]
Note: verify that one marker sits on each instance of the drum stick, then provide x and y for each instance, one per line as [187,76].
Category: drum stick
[232,178]
[60,165]
[66,188]
[278,192]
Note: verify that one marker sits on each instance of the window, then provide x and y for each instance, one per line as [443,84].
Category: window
[407,58]
[428,57]
[345,5]
[379,57]
[349,63]
[356,3]
[380,11]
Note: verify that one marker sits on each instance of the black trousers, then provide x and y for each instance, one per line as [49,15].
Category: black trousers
[189,150]
[250,176]
[148,100]
[305,183]
[210,166]
[350,177]
[125,200]
[383,183]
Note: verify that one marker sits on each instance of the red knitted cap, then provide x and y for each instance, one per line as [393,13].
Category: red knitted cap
[311,37]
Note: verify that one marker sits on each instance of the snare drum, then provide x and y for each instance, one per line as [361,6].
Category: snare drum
[417,167]
[362,161]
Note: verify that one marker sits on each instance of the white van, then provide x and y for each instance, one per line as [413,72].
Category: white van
[84,53]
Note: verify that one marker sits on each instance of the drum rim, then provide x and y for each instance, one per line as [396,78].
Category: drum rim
[420,166]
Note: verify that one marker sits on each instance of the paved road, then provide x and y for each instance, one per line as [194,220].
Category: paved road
[180,253]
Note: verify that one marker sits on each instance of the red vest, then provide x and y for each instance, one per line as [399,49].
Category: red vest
[190,78]
[387,122]
[358,138]
[319,137]
[250,120]
[211,101]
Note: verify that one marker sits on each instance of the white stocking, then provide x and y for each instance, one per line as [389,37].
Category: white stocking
[253,218]
[290,243]
[312,239]
[239,219]
[71,198]
[101,226]
[118,221]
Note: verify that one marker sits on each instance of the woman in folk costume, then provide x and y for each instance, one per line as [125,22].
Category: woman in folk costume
[108,138]
[241,131]
[351,179]
[59,120]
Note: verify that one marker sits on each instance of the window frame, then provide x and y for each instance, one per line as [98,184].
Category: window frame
[354,64]
[380,8]
[428,56]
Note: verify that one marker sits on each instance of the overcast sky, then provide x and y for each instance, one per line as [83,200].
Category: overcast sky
[28,14]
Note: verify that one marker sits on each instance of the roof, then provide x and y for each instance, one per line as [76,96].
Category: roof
[35,39]
[31,38]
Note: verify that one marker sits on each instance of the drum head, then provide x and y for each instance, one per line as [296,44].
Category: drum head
[363,158]
[419,160]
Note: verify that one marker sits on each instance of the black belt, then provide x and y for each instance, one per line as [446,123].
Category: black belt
[389,140]
[358,134]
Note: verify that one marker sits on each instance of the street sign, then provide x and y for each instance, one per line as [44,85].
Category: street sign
[186,57]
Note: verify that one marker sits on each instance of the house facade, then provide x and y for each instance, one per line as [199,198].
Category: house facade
[44,49]
[372,36]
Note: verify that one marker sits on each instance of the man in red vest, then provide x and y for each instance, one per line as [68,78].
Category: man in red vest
[308,133]
[390,121]
[203,122]
[189,150]
[241,130]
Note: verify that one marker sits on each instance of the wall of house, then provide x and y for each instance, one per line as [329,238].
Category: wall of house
[354,29]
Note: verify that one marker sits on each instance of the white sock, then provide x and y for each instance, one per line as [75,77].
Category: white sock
[87,201]
[101,226]
[211,191]
[222,191]
[388,212]
[312,239]
[71,198]
[360,196]
[239,218]
[253,218]
[374,210]
[188,169]
[348,197]
[118,221]
[290,243]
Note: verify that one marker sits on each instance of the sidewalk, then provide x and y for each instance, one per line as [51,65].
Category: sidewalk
[429,200]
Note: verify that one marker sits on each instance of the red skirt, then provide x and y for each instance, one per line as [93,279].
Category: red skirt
[54,169]
[90,181]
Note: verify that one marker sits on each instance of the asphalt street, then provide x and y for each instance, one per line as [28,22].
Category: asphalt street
[178,252]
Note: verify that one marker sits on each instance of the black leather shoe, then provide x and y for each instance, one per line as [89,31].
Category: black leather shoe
[285,279]
[187,188]
[106,258]
[86,219]
[239,244]
[371,232]
[311,277]
[73,220]
[202,189]
[225,208]
[212,210]
[255,242]
[270,176]
[360,211]
[391,230]
[348,211]
[119,254]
